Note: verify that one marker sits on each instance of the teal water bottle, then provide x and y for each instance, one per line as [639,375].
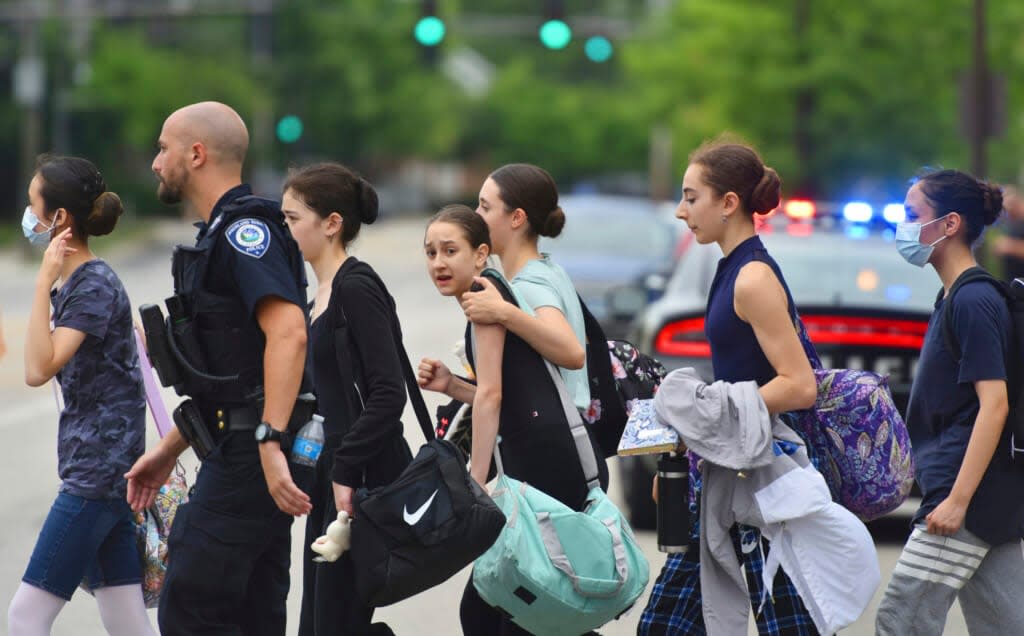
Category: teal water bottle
[309,442]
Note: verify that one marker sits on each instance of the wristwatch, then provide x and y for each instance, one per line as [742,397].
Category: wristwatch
[267,433]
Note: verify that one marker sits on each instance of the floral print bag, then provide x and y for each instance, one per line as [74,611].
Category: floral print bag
[861,442]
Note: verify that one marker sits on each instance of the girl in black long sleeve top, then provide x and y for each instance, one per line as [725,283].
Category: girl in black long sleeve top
[357,376]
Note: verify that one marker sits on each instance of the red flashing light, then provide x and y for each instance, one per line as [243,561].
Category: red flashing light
[799,209]
[800,229]
[683,338]
[872,332]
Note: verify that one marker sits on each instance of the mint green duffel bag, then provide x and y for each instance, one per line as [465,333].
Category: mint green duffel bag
[553,570]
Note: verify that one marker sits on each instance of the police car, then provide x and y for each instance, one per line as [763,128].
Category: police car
[863,305]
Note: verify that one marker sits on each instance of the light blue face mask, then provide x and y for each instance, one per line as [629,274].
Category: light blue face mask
[29,221]
[908,242]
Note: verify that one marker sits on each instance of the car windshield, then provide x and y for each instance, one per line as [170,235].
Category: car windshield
[829,268]
[832,269]
[630,236]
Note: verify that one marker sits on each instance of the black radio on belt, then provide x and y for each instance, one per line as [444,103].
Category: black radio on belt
[158,347]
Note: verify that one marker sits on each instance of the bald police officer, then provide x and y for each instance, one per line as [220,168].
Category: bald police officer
[242,286]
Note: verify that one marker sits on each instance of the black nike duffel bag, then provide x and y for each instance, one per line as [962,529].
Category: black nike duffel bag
[421,529]
[425,526]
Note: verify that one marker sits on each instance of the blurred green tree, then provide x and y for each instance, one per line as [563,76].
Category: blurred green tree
[879,81]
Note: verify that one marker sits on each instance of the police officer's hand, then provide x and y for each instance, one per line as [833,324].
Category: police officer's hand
[288,497]
[484,307]
[145,478]
[53,257]
[433,375]
[343,498]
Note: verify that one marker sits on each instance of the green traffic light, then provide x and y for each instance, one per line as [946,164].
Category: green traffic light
[429,31]
[289,129]
[555,34]
[598,49]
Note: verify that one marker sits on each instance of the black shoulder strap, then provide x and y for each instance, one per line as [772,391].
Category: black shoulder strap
[595,334]
[411,385]
[974,274]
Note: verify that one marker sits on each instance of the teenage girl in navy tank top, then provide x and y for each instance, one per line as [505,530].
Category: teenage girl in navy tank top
[749,324]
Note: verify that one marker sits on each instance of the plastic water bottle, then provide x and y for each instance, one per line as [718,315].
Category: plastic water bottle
[309,442]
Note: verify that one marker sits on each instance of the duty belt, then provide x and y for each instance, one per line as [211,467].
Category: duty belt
[240,418]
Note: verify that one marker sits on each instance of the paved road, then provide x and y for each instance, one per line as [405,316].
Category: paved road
[27,421]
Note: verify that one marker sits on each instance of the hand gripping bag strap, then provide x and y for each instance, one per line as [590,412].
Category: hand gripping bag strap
[411,385]
[580,437]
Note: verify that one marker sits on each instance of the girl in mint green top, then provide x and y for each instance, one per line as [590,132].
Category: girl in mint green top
[519,202]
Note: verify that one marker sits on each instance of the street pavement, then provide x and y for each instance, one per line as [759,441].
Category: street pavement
[431,325]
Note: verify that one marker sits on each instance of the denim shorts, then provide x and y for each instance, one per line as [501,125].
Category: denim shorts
[85,539]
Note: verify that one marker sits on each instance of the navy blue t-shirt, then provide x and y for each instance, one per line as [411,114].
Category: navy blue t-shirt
[102,426]
[943,402]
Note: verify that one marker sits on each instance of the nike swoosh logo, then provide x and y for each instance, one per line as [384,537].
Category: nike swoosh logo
[413,519]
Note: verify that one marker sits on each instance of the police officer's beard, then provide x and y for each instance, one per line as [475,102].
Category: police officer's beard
[168,193]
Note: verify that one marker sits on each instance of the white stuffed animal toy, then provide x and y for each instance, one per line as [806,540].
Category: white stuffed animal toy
[337,540]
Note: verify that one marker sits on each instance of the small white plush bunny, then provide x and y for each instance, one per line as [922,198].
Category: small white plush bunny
[337,540]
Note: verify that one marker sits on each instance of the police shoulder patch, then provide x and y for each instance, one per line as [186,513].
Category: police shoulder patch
[249,236]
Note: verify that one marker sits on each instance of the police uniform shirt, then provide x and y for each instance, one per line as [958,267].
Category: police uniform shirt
[251,258]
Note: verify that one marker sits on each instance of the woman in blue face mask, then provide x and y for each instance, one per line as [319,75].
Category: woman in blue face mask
[89,533]
[965,539]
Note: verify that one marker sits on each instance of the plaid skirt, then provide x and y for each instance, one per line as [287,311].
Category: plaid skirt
[674,606]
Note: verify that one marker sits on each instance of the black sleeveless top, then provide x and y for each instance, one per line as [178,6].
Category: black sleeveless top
[536,443]
[736,356]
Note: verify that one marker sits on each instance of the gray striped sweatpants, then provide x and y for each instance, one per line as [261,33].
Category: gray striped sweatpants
[933,571]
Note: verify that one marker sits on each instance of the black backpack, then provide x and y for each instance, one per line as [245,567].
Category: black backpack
[1014,295]
[619,373]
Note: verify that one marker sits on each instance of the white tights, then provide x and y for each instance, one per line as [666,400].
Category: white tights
[122,610]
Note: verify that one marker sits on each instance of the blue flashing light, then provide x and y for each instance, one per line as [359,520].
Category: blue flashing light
[857,212]
[858,232]
[897,293]
[894,213]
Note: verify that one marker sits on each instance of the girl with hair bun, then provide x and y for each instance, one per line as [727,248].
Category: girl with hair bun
[965,542]
[519,202]
[749,325]
[515,395]
[357,377]
[89,533]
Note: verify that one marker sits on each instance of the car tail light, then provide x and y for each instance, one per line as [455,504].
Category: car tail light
[684,338]
[800,209]
[872,332]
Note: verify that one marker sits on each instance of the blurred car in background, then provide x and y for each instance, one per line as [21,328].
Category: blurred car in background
[618,242]
[864,307]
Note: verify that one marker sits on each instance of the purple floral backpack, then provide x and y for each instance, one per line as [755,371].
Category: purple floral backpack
[862,444]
